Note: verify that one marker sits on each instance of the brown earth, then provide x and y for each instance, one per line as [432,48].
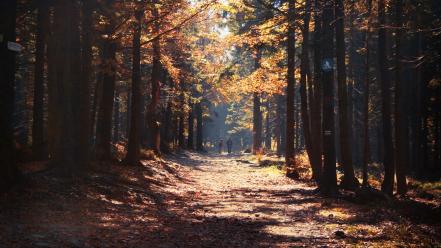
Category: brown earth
[194,200]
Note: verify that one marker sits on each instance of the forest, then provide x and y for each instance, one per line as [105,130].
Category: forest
[220,123]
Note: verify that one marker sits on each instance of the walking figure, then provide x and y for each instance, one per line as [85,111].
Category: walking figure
[229,145]
[221,144]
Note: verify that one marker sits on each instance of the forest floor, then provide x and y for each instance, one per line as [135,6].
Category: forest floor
[204,200]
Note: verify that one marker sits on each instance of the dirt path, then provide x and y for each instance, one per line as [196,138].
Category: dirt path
[194,200]
[239,204]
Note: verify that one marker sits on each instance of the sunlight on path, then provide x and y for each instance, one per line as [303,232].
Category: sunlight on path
[227,188]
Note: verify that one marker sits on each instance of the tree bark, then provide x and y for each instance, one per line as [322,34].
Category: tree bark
[199,127]
[152,115]
[84,130]
[388,154]
[104,123]
[328,184]
[349,181]
[38,139]
[133,150]
[366,150]
[8,169]
[401,132]
[257,113]
[289,150]
[311,147]
[190,138]
[316,104]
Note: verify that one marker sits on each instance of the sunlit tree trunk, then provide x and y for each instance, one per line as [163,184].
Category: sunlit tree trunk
[268,126]
[308,97]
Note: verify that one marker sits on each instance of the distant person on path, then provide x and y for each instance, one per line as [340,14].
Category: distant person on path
[221,144]
[229,145]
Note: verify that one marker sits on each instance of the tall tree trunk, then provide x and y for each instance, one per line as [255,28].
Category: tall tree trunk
[38,140]
[133,152]
[190,138]
[257,124]
[156,90]
[291,50]
[280,125]
[181,122]
[316,114]
[104,123]
[329,181]
[257,113]
[388,154]
[68,68]
[116,118]
[268,126]
[401,132]
[199,127]
[366,150]
[84,131]
[167,128]
[349,181]
[311,147]
[8,169]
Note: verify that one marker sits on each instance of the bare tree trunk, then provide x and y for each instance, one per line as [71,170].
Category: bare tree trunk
[116,118]
[366,150]
[190,138]
[38,140]
[311,148]
[328,184]
[268,126]
[257,112]
[8,169]
[199,126]
[388,159]
[84,136]
[289,152]
[349,181]
[152,115]
[104,123]
[401,132]
[133,151]
[316,104]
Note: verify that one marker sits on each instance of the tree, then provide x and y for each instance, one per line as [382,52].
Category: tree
[349,181]
[8,169]
[401,132]
[328,183]
[152,115]
[257,112]
[289,150]
[366,150]
[38,139]
[133,148]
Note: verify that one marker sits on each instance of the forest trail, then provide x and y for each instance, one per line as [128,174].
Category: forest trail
[197,200]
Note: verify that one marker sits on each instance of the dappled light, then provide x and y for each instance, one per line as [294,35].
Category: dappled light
[220,123]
